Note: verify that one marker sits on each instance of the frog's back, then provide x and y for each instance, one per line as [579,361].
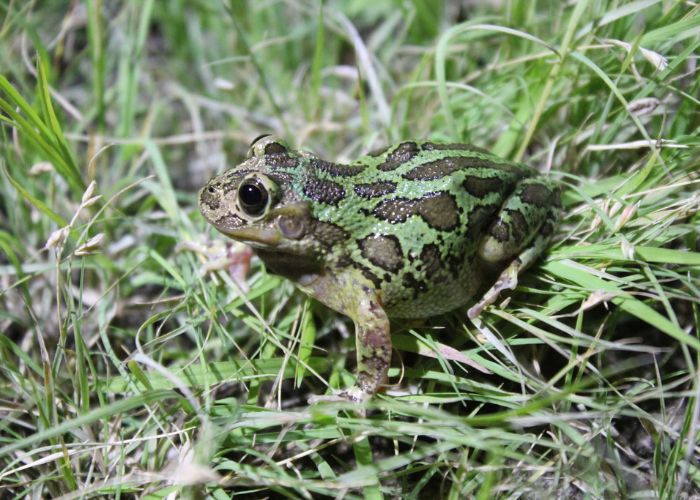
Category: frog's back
[414,215]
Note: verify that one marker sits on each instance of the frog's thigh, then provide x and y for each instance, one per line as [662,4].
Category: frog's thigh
[520,233]
[524,215]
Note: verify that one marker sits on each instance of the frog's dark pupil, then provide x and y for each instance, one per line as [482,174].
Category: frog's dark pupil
[253,198]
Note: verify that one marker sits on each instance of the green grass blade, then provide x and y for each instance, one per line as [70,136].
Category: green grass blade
[568,271]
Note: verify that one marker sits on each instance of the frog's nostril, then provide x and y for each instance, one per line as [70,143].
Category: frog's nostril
[211,189]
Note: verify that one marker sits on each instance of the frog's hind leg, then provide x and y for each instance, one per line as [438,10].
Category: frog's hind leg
[520,233]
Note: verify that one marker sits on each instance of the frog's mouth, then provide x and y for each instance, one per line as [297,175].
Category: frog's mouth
[277,225]
[254,236]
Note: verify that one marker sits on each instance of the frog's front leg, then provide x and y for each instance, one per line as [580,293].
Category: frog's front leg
[350,294]
[520,233]
[373,341]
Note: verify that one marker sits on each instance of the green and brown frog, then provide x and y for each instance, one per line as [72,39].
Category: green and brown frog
[408,232]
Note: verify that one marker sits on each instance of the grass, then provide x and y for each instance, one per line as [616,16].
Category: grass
[132,364]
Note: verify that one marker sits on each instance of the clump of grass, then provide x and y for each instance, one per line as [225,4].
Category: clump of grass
[133,363]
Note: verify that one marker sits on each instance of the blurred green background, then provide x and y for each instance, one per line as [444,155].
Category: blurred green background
[141,355]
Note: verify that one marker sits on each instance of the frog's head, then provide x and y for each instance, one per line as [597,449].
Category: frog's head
[254,202]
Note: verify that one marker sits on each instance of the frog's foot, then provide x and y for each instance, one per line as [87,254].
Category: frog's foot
[353,394]
[508,280]
[372,335]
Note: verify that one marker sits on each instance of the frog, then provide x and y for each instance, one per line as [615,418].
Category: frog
[407,232]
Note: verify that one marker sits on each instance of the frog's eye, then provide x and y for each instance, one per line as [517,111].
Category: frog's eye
[253,197]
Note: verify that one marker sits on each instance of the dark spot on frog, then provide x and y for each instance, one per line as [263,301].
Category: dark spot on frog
[275,148]
[281,160]
[455,262]
[395,210]
[482,186]
[376,280]
[276,154]
[375,189]
[438,210]
[383,251]
[410,282]
[327,233]
[281,178]
[376,309]
[323,191]
[479,218]
[518,225]
[343,261]
[445,166]
[538,195]
[398,156]
[335,169]
[430,259]
[371,372]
